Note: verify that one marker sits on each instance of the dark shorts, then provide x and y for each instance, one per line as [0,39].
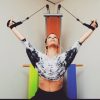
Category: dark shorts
[43,95]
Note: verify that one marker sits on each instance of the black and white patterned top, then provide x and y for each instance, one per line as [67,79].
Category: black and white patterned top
[51,69]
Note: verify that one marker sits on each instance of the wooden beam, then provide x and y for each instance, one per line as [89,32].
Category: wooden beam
[79,65]
[27,65]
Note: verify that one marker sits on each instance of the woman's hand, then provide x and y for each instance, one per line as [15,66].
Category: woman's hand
[94,24]
[10,23]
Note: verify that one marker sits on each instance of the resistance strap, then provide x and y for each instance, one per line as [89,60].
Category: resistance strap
[71,82]
[48,10]
[33,81]
[87,25]
[53,25]
[20,22]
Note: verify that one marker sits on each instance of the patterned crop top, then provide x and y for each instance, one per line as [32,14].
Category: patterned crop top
[51,69]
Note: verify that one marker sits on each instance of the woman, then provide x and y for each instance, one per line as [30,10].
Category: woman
[52,65]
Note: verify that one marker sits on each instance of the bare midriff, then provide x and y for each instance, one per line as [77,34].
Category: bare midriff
[49,85]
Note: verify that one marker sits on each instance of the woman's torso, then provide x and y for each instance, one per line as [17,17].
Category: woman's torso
[49,85]
[51,73]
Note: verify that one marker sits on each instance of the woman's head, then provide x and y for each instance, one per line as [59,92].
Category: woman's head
[52,40]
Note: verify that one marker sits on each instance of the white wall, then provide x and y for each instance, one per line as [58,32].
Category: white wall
[14,78]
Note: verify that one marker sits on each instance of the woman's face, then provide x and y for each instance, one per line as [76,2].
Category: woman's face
[52,40]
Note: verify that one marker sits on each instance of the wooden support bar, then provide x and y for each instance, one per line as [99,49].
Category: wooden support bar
[26,65]
[78,65]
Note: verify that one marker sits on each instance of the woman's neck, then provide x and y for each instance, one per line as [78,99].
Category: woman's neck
[51,52]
